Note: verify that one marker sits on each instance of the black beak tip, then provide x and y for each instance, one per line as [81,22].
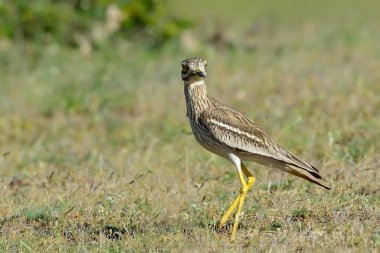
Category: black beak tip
[200,74]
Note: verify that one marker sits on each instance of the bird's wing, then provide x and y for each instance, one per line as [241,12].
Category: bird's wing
[239,133]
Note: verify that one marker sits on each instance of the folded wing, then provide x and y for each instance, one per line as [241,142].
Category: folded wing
[250,142]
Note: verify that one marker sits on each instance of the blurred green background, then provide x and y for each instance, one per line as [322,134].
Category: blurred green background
[66,22]
[96,152]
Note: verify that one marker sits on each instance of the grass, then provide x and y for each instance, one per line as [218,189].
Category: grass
[96,153]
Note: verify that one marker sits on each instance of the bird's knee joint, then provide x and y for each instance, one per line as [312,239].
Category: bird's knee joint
[251,180]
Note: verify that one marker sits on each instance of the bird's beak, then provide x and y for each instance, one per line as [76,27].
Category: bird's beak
[200,74]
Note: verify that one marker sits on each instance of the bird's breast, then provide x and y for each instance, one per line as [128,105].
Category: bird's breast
[206,139]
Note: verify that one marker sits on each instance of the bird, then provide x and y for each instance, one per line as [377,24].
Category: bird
[232,135]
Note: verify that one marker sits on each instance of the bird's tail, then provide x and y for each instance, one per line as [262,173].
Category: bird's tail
[313,177]
[293,165]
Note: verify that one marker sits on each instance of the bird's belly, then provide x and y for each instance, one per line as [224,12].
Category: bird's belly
[215,150]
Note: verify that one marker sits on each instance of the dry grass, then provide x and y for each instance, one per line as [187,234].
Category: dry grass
[96,153]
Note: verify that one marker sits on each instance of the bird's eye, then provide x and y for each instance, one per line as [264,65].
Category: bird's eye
[184,68]
[206,66]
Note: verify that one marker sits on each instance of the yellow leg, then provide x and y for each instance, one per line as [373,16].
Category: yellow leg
[248,185]
[229,211]
[243,193]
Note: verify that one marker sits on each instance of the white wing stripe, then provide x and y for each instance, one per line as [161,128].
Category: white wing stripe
[236,130]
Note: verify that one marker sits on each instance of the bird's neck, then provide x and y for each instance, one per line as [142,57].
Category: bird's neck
[196,98]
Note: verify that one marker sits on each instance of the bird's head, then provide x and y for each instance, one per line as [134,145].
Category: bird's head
[193,69]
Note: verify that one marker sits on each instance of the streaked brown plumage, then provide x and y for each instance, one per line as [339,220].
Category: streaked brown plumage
[230,134]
